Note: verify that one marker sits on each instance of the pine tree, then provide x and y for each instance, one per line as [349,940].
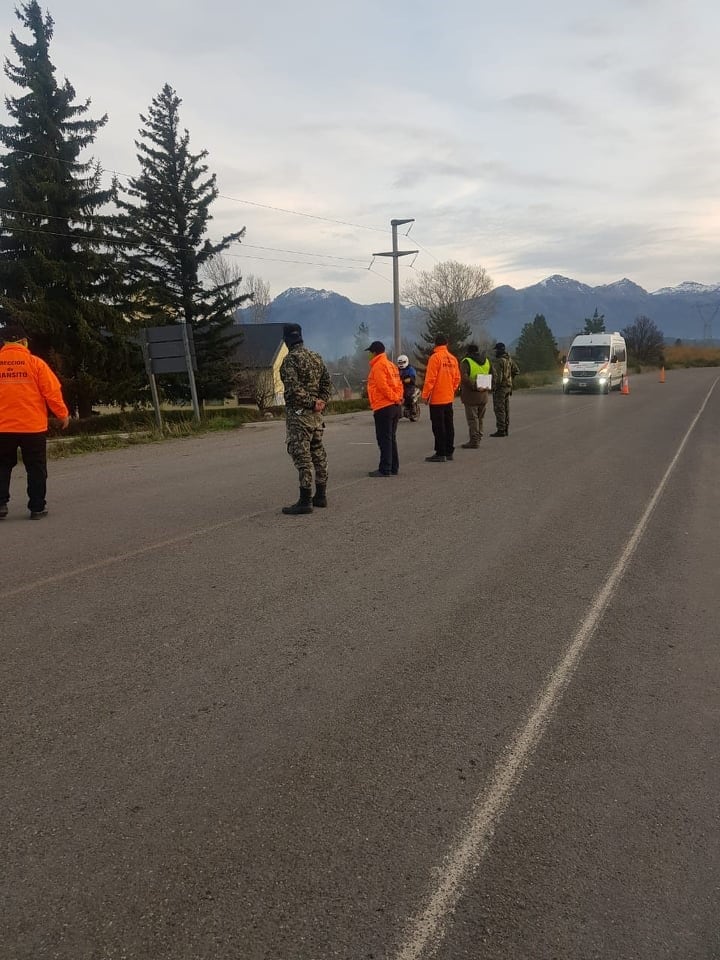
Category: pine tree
[595,324]
[56,274]
[536,349]
[163,223]
[443,319]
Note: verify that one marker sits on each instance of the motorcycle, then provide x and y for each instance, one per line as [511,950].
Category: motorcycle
[411,405]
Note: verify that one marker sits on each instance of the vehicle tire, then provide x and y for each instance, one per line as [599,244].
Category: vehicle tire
[606,389]
[566,389]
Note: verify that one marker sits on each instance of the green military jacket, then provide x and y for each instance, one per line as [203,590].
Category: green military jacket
[305,378]
[504,369]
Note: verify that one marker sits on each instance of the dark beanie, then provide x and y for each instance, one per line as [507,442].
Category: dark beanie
[441,340]
[292,334]
[12,332]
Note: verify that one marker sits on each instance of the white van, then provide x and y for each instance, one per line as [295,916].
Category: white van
[597,361]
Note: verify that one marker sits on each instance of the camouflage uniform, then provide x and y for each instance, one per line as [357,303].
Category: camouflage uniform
[305,379]
[504,369]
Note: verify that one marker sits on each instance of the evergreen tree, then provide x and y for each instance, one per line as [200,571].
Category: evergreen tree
[56,274]
[163,224]
[595,324]
[536,349]
[443,319]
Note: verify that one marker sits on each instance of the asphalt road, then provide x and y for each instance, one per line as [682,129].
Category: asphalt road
[468,712]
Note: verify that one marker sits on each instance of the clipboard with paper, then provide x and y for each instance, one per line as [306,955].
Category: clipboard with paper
[483,381]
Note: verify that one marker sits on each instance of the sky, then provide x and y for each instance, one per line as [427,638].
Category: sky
[528,138]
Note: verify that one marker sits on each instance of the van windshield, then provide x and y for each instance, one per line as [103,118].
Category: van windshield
[597,353]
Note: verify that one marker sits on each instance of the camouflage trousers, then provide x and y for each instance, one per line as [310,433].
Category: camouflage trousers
[501,406]
[305,446]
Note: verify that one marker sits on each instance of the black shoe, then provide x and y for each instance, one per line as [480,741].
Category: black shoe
[378,473]
[435,458]
[37,514]
[499,433]
[304,504]
[320,498]
[471,445]
[3,510]
[449,456]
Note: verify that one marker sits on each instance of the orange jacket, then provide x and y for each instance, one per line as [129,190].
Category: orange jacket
[27,388]
[442,377]
[384,387]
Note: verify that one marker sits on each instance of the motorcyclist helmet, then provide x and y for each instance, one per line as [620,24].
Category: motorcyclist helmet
[402,361]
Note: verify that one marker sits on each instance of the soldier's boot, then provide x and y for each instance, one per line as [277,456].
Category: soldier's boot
[320,498]
[304,504]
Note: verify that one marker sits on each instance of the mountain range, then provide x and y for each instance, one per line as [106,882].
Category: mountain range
[689,311]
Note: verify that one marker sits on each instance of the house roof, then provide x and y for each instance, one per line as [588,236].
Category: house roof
[259,345]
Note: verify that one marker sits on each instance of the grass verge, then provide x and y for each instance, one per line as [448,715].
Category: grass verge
[117,430]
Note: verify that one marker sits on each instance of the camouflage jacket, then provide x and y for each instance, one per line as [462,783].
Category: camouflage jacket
[504,369]
[305,378]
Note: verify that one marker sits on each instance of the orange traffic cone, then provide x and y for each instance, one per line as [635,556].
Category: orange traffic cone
[625,388]
[662,374]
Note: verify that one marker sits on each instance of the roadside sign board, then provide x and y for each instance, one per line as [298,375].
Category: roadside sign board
[167,348]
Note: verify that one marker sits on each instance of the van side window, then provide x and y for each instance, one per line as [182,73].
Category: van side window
[620,355]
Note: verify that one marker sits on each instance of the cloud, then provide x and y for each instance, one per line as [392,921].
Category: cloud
[549,105]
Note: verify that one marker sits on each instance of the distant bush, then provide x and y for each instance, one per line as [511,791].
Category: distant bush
[538,378]
[180,421]
[131,421]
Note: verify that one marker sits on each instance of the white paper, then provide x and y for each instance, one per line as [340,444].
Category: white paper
[484,381]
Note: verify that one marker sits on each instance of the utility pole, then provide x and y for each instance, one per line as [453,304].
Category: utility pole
[396,254]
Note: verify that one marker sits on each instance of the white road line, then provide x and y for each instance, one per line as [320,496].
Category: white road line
[425,930]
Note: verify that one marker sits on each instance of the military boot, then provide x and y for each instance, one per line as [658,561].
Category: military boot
[320,498]
[304,504]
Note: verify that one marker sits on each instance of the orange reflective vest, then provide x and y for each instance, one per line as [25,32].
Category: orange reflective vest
[384,387]
[442,377]
[27,388]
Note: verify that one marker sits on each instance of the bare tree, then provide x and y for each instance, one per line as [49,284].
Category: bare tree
[645,340]
[259,293]
[221,270]
[255,385]
[459,287]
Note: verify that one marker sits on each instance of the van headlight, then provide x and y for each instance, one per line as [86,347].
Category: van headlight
[566,379]
[602,380]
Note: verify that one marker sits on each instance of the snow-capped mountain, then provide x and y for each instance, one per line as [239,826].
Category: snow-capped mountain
[330,321]
[689,287]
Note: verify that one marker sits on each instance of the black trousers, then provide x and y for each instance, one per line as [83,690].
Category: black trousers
[386,424]
[443,428]
[33,447]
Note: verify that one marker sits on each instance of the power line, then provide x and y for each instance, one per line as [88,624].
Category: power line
[301,253]
[172,236]
[252,203]
[114,241]
[299,213]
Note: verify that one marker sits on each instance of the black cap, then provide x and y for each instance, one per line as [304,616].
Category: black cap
[473,349]
[441,340]
[375,347]
[292,334]
[12,332]
[499,348]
